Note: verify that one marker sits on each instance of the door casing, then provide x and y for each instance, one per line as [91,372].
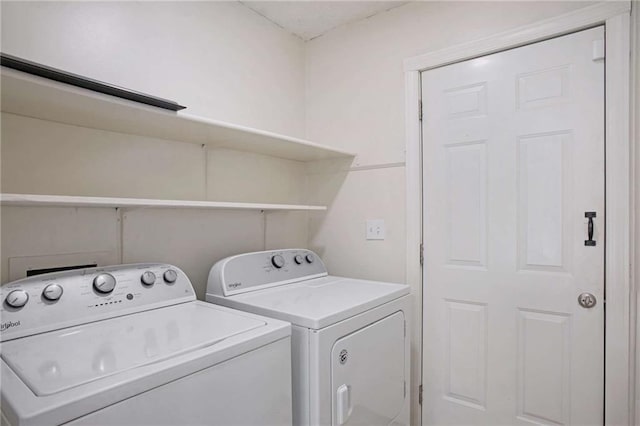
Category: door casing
[620,312]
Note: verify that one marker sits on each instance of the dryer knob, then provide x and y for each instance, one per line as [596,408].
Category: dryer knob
[310,258]
[17,298]
[170,276]
[277,261]
[298,259]
[52,292]
[104,283]
[148,278]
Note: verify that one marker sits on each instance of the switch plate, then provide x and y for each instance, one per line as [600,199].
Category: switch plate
[375,229]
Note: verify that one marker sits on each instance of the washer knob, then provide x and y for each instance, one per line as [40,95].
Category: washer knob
[104,283]
[148,278]
[298,259]
[310,258]
[170,276]
[17,298]
[277,261]
[52,292]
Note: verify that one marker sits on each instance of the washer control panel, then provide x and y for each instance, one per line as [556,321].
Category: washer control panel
[63,299]
[253,271]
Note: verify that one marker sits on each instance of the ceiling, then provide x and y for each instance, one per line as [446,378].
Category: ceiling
[310,19]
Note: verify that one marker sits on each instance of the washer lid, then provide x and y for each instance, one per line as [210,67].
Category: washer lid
[56,361]
[317,303]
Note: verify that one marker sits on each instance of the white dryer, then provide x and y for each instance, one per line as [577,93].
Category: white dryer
[130,345]
[350,344]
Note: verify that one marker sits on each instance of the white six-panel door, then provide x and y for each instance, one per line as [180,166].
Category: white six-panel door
[513,157]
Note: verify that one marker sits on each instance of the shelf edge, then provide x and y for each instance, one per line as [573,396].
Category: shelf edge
[35,200]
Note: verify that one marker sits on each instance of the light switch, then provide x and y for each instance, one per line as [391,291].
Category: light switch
[375,229]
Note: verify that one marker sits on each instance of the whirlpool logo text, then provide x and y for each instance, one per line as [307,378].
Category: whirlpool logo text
[7,325]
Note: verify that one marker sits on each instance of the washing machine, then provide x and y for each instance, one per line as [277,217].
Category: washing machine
[130,345]
[350,344]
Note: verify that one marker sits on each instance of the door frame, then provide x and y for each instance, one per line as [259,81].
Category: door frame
[620,315]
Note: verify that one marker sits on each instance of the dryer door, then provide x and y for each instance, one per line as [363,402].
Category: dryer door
[368,375]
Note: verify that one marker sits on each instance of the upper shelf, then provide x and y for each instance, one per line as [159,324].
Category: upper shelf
[37,97]
[27,200]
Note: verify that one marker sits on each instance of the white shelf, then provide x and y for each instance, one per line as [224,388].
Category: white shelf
[37,97]
[27,200]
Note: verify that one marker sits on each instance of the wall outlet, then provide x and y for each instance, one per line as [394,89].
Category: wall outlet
[375,229]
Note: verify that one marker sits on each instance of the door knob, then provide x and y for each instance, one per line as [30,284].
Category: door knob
[587,300]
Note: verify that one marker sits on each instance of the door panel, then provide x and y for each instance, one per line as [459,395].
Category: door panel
[466,204]
[513,157]
[367,373]
[466,346]
[544,168]
[544,380]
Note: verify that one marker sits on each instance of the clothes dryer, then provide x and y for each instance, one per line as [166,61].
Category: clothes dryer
[350,344]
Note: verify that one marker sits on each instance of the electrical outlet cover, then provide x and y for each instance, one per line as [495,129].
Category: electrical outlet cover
[375,229]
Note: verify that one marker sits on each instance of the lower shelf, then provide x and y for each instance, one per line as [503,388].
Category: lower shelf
[73,201]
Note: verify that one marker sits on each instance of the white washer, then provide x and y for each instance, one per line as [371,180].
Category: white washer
[350,344]
[130,345]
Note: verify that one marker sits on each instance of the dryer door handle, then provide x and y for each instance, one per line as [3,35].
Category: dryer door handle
[343,395]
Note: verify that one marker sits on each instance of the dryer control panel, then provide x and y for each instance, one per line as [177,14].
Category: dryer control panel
[258,270]
[63,299]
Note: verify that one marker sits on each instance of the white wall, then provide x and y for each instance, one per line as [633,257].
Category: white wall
[219,59]
[78,236]
[355,100]
[42,157]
